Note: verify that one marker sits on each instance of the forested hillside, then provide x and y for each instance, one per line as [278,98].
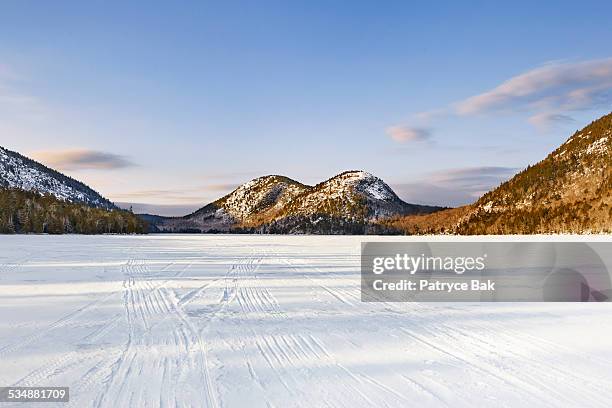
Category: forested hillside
[18,171]
[29,212]
[570,191]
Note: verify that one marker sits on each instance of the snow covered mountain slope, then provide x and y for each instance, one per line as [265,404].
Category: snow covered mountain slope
[353,202]
[282,205]
[353,194]
[17,171]
[263,195]
[570,191]
[250,203]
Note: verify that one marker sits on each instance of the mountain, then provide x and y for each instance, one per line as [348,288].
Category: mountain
[35,198]
[570,191]
[251,203]
[351,202]
[354,194]
[20,172]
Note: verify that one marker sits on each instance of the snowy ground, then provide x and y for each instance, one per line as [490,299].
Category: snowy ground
[260,321]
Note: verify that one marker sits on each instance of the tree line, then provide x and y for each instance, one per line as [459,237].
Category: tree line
[29,212]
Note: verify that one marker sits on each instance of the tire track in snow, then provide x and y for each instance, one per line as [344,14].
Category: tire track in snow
[57,366]
[156,319]
[145,304]
[511,347]
[340,295]
[294,358]
[64,321]
[478,346]
[476,358]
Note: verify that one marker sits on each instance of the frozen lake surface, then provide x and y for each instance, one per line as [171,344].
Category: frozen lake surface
[269,321]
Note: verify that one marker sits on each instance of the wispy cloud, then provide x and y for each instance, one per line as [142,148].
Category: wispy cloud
[221,187]
[81,159]
[198,194]
[454,187]
[559,86]
[237,175]
[547,94]
[404,134]
[546,121]
[475,180]
[431,194]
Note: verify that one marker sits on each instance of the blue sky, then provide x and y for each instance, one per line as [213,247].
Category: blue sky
[173,105]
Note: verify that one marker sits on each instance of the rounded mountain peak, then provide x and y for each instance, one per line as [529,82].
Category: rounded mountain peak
[354,175]
[364,183]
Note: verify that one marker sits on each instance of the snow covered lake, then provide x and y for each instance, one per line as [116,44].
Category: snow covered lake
[274,321]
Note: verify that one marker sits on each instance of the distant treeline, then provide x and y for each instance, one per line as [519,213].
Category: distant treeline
[29,212]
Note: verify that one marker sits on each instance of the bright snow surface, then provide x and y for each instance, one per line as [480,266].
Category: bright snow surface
[230,321]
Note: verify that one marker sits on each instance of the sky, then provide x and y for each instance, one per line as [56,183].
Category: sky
[169,105]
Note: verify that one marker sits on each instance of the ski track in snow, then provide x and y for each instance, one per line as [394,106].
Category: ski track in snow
[229,321]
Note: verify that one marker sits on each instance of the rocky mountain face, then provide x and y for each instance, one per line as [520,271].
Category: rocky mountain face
[37,199]
[250,204]
[570,191]
[353,194]
[20,172]
[351,202]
